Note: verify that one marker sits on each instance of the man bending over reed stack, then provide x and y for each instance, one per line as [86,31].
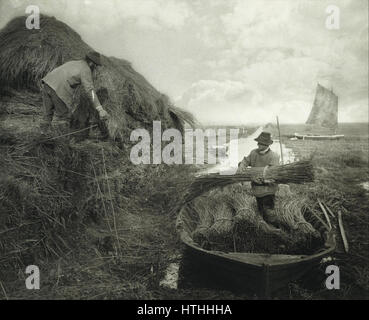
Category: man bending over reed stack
[58,88]
[263,190]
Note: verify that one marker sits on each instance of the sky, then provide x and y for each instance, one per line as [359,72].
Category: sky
[230,61]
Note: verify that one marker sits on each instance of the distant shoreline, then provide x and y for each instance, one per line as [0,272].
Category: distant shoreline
[282,124]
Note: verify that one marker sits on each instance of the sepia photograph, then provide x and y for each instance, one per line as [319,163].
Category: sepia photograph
[187,155]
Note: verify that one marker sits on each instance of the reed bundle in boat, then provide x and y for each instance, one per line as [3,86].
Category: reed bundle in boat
[228,219]
[204,218]
[221,230]
[253,233]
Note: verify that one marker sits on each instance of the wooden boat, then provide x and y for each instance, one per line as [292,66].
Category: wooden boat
[259,273]
[319,137]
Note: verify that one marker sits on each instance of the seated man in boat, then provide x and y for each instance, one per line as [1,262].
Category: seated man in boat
[263,190]
[58,88]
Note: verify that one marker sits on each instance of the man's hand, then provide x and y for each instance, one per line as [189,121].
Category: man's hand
[261,180]
[102,113]
[258,180]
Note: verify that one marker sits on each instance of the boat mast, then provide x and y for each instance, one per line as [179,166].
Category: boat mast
[280,140]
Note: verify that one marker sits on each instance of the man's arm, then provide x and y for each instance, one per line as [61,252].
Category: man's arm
[246,162]
[87,83]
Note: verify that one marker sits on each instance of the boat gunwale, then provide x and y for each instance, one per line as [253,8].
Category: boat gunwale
[292,260]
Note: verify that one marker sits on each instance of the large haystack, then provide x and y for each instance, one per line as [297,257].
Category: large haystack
[28,55]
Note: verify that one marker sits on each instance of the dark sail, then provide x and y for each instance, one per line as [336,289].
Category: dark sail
[325,109]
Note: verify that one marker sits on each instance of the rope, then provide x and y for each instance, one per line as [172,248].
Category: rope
[71,133]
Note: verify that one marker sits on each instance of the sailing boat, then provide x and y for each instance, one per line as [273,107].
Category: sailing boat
[322,122]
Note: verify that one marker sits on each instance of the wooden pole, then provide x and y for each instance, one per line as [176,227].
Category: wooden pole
[280,141]
[329,210]
[325,214]
[342,230]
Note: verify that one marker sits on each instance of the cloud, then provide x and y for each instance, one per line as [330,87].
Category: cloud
[234,102]
[280,50]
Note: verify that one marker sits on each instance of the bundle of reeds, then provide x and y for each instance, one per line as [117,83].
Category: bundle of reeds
[297,172]
[204,208]
[228,219]
[252,232]
[221,230]
[283,190]
[289,212]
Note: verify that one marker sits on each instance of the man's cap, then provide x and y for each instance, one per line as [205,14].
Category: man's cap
[94,57]
[265,138]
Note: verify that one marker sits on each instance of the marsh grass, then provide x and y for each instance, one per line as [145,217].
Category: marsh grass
[83,213]
[343,166]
